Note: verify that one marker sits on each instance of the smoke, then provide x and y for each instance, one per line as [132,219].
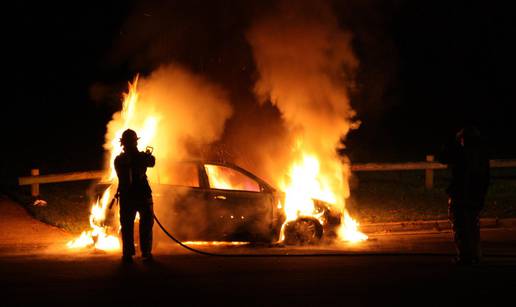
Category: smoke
[186,108]
[178,113]
[190,107]
[306,66]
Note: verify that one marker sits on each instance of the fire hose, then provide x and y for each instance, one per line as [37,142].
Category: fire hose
[291,255]
[261,255]
[184,245]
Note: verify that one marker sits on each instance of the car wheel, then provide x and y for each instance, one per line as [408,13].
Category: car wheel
[303,231]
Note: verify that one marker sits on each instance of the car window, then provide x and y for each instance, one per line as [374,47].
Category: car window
[182,174]
[221,177]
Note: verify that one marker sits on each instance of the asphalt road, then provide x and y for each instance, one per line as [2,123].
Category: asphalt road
[388,270]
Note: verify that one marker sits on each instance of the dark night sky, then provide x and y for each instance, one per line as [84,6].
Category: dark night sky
[425,69]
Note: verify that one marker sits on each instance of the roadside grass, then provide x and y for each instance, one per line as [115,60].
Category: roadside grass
[68,204]
[375,197]
[401,196]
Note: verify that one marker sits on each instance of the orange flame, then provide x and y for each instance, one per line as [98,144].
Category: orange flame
[349,230]
[98,236]
[308,182]
[218,180]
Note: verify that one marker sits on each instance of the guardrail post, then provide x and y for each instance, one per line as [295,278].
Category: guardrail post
[34,188]
[429,173]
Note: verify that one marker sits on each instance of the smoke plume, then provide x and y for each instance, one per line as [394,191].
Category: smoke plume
[184,110]
[191,108]
[177,113]
[306,65]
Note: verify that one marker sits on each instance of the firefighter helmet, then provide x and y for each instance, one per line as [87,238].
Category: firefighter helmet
[128,137]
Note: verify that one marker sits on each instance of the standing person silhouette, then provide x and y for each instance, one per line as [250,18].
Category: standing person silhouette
[135,196]
[468,160]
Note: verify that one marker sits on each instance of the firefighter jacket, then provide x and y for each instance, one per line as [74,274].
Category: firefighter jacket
[469,167]
[131,167]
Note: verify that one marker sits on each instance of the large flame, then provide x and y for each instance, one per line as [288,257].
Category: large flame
[306,182]
[129,117]
[98,235]
[306,66]
[180,105]
[103,234]
[305,185]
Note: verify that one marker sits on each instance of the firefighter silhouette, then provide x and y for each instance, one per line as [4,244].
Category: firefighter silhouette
[135,195]
[468,161]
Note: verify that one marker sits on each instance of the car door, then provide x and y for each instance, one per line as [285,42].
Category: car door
[240,208]
[180,202]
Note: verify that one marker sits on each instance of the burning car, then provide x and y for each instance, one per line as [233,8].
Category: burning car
[214,201]
[205,200]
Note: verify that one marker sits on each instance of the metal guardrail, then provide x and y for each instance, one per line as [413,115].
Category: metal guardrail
[410,166]
[36,179]
[75,176]
[428,166]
